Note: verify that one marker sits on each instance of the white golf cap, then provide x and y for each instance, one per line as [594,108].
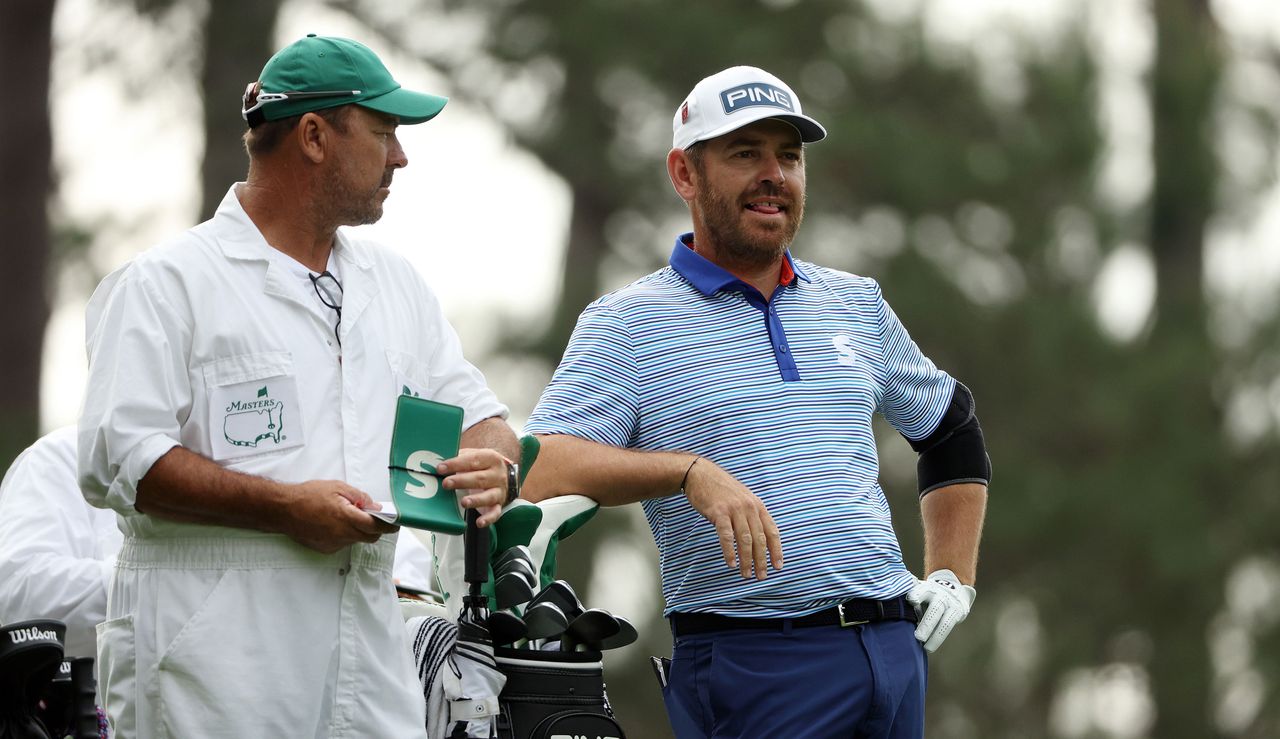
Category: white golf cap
[729,100]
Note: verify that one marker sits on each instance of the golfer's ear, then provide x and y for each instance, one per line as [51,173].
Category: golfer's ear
[683,176]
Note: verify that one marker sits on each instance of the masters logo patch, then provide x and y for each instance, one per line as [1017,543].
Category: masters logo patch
[254,417]
[247,423]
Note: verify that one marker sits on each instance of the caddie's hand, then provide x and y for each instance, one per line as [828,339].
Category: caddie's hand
[749,538]
[941,601]
[483,474]
[327,515]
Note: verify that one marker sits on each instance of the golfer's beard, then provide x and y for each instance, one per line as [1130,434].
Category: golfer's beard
[723,217]
[349,206]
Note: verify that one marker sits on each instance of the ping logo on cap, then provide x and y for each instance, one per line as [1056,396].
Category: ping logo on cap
[753,94]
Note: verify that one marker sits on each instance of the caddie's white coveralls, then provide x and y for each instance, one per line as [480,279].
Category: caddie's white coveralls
[208,342]
[56,553]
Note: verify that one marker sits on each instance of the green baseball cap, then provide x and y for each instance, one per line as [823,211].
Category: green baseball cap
[319,72]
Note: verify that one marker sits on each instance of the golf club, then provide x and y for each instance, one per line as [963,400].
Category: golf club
[561,594]
[626,635]
[505,628]
[544,620]
[511,589]
[590,628]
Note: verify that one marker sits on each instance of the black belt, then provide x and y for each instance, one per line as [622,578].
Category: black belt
[849,613]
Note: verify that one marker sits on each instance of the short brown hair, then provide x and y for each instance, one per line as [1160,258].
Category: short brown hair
[265,137]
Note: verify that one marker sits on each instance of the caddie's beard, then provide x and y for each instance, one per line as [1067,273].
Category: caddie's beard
[349,205]
[735,241]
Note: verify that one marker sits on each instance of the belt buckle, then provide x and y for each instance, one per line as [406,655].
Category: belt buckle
[843,622]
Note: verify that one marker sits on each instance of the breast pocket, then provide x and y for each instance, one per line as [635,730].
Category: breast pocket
[409,374]
[253,405]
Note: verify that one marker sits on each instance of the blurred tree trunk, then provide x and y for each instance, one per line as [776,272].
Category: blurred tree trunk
[1184,86]
[26,149]
[239,37]
[579,273]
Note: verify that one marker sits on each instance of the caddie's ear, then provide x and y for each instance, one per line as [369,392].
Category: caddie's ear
[684,178]
[313,135]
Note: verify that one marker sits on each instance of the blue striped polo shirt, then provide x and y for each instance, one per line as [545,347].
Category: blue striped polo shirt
[780,394]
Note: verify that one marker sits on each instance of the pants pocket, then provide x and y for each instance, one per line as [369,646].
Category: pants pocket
[245,662]
[117,675]
[683,695]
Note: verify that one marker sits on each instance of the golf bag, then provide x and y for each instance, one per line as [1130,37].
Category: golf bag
[32,671]
[554,694]
[70,707]
[475,690]
[545,694]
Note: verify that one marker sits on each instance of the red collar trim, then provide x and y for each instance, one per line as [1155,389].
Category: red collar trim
[787,275]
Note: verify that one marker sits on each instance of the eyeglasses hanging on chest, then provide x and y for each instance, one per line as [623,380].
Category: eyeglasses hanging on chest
[329,290]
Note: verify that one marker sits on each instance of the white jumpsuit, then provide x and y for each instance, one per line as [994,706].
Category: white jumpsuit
[207,342]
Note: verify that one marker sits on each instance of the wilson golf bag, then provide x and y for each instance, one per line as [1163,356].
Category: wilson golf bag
[30,654]
[70,708]
[43,696]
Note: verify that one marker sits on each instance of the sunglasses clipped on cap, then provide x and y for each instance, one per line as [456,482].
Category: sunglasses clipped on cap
[254,99]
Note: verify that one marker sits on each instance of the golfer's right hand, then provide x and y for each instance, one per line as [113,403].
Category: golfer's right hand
[327,515]
[749,538]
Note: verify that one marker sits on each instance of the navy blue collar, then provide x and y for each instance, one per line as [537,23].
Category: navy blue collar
[709,277]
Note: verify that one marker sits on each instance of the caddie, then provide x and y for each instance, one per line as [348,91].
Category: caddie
[238,418]
[732,394]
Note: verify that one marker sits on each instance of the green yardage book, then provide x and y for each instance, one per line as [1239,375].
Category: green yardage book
[425,434]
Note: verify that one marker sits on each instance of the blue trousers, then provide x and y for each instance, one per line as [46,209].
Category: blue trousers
[825,682]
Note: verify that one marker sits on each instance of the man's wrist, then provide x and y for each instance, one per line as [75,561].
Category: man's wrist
[684,481]
[278,502]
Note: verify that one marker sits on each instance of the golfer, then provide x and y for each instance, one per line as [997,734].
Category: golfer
[732,393]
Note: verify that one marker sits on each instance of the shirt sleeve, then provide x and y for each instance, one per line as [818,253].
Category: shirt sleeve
[914,392]
[137,393]
[52,553]
[595,392]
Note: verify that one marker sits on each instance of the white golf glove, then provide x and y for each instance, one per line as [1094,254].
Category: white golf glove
[941,602]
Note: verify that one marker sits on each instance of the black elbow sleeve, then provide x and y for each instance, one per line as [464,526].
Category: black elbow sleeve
[955,452]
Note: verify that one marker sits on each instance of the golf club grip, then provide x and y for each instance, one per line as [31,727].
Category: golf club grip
[475,550]
[84,700]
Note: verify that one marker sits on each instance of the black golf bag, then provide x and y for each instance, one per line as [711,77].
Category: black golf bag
[70,707]
[547,693]
[554,694]
[43,696]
